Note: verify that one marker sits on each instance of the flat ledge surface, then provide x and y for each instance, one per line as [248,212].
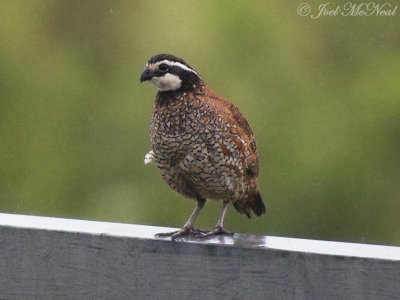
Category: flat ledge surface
[238,241]
[54,258]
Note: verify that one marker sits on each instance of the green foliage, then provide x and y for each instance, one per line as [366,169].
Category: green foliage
[322,97]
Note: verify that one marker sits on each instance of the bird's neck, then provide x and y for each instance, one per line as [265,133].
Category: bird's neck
[165,97]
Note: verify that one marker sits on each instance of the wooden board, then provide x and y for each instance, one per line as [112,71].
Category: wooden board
[52,258]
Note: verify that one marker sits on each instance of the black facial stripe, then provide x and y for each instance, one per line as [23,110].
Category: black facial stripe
[176,70]
[163,67]
[158,73]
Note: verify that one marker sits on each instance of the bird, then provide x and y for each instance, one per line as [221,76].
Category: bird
[201,143]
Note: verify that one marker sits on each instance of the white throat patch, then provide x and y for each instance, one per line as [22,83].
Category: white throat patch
[168,82]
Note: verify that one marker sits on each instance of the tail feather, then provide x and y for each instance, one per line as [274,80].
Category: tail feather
[258,206]
[254,203]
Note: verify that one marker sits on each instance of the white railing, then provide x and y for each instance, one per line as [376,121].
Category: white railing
[53,258]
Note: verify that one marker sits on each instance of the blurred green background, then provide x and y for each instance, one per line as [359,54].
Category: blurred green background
[322,97]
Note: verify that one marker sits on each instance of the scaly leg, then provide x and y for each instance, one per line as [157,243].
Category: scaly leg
[187,229]
[219,228]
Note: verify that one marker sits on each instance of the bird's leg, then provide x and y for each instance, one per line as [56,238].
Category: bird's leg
[219,228]
[187,229]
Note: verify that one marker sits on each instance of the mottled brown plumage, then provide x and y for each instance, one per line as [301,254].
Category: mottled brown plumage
[202,144]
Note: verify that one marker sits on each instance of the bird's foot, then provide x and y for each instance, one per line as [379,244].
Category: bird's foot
[218,230]
[184,232]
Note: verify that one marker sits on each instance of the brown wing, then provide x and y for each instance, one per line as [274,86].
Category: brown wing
[239,130]
[247,140]
[240,133]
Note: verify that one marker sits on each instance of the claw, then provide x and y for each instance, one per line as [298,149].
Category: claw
[184,232]
[194,233]
[218,230]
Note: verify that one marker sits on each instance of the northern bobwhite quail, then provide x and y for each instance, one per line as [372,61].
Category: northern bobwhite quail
[202,144]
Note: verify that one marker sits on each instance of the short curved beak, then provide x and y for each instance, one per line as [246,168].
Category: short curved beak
[146,75]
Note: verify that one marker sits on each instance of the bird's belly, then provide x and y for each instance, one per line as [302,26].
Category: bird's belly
[198,172]
[193,163]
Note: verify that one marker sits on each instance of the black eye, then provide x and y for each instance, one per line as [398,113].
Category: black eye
[163,67]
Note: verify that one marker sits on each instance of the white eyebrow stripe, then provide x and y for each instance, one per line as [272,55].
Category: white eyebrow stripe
[178,64]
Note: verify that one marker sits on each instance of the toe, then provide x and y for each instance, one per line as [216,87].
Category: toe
[185,231]
[216,231]
[165,234]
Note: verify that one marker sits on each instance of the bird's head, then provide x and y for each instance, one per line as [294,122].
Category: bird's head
[170,73]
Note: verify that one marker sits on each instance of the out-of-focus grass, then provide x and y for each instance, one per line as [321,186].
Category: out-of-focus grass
[322,97]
